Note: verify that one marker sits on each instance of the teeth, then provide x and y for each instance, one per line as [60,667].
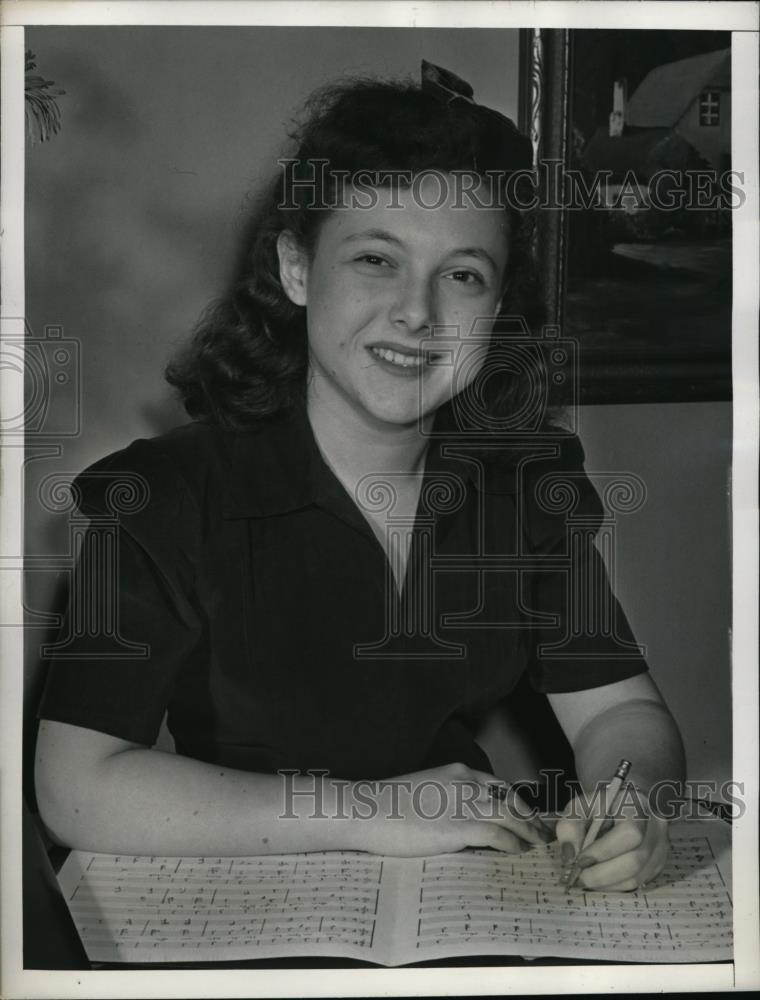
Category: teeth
[396,358]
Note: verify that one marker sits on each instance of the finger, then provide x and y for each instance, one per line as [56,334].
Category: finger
[608,873]
[657,833]
[623,837]
[502,799]
[570,830]
[658,857]
[507,815]
[549,821]
[655,847]
[502,789]
[491,835]
[522,810]
[628,885]
[522,829]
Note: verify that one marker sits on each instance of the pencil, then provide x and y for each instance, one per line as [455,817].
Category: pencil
[614,794]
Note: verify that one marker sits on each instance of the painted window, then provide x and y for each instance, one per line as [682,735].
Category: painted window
[709,108]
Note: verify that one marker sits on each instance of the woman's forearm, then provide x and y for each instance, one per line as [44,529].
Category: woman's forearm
[144,801]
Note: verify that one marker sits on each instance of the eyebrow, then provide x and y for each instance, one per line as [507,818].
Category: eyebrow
[382,234]
[374,234]
[478,252]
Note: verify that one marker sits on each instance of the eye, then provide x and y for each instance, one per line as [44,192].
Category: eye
[466,277]
[373,259]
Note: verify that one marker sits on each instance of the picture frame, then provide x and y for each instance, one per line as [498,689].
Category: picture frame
[644,288]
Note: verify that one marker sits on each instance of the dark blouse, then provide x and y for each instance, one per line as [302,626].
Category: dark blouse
[244,592]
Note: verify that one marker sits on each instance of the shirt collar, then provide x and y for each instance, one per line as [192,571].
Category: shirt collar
[276,467]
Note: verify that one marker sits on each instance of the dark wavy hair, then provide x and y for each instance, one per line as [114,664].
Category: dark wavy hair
[247,359]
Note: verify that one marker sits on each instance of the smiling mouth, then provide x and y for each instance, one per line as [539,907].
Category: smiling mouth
[401,358]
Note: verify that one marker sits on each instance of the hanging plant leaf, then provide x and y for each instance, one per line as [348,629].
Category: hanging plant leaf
[43,116]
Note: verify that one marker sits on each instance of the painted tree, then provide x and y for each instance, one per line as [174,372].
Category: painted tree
[43,116]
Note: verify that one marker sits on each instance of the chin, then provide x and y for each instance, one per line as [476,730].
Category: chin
[398,416]
[402,409]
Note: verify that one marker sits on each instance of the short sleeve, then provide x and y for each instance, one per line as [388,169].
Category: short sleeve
[132,621]
[580,637]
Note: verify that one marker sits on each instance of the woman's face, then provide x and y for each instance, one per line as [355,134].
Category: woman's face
[380,283]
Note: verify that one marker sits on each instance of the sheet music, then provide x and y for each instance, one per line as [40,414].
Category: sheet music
[396,911]
[487,903]
[141,909]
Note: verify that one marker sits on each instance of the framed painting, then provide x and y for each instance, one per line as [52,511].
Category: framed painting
[632,147]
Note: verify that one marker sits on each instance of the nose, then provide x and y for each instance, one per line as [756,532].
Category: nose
[413,307]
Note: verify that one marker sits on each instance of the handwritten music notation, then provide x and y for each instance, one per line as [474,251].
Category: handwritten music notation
[395,911]
[143,909]
[487,899]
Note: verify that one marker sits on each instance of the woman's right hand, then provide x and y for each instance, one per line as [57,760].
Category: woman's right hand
[443,810]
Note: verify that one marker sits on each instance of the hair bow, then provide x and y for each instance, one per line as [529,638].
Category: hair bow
[508,148]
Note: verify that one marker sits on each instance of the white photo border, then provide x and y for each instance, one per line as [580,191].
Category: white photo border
[744,972]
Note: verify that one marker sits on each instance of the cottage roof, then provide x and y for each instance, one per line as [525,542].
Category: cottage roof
[666,92]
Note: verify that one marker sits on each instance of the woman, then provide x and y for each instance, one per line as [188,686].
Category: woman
[306,575]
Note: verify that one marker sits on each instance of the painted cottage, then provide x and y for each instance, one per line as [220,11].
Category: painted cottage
[679,118]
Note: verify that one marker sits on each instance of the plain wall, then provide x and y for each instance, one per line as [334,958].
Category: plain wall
[133,214]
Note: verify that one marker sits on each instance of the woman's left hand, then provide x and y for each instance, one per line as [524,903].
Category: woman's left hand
[628,855]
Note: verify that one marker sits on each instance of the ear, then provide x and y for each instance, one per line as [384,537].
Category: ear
[293,267]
